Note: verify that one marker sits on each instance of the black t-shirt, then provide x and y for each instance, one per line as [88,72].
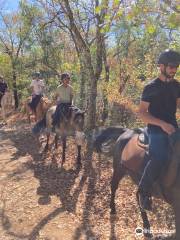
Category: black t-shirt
[162,97]
[3,87]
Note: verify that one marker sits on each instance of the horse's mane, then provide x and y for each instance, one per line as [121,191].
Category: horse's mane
[77,112]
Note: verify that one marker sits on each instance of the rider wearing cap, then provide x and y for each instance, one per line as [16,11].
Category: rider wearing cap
[64,96]
[37,86]
[158,106]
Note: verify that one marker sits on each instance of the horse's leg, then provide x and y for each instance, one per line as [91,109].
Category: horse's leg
[79,164]
[28,112]
[63,150]
[3,113]
[79,138]
[35,116]
[39,112]
[118,174]
[56,141]
[146,225]
[47,142]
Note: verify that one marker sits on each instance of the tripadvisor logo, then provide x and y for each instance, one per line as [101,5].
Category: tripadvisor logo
[139,231]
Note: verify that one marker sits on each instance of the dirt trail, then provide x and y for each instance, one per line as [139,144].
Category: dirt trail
[39,201]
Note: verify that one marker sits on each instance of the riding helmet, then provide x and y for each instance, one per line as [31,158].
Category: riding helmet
[36,75]
[64,76]
[169,57]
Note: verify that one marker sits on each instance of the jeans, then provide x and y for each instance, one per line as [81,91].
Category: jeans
[35,100]
[158,153]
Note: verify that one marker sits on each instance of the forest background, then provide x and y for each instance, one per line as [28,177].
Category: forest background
[109,47]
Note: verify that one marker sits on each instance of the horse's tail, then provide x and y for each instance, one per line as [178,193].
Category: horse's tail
[105,141]
[39,126]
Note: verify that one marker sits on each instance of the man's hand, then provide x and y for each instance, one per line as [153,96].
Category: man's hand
[168,128]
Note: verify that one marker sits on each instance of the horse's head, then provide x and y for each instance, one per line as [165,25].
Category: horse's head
[77,116]
[78,124]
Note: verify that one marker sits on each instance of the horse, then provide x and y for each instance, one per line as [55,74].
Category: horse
[41,108]
[7,103]
[129,156]
[71,126]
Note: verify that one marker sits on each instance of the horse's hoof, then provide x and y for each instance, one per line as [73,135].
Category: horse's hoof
[79,166]
[148,235]
[45,149]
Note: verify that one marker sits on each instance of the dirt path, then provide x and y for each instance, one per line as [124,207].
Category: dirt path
[41,202]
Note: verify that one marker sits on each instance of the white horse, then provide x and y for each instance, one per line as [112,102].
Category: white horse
[7,103]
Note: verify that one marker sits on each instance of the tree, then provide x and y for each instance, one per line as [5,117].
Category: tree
[13,33]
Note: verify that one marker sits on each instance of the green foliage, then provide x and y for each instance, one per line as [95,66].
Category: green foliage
[135,33]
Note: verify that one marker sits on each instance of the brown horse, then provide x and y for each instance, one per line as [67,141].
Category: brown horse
[72,126]
[41,109]
[128,158]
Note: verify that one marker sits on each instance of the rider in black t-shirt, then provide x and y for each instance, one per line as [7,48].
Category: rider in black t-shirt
[3,88]
[158,106]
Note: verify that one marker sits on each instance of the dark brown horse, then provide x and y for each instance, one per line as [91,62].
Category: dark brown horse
[129,154]
[72,126]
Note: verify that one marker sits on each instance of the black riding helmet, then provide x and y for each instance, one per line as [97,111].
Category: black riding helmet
[64,76]
[36,75]
[169,57]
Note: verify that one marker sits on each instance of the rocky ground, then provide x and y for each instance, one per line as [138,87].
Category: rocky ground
[40,200]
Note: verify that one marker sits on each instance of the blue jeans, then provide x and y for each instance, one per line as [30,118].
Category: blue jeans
[158,153]
[35,100]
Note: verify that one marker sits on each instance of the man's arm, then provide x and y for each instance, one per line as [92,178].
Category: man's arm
[149,119]
[43,85]
[178,103]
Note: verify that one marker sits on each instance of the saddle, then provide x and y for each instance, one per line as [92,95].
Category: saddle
[135,157]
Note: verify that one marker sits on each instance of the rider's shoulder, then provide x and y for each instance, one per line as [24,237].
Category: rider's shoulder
[176,82]
[60,86]
[152,84]
[70,86]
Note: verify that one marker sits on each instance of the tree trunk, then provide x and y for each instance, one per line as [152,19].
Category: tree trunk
[83,80]
[105,100]
[15,89]
[91,117]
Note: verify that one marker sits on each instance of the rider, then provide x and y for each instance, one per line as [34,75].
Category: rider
[64,97]
[158,106]
[37,88]
[3,88]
